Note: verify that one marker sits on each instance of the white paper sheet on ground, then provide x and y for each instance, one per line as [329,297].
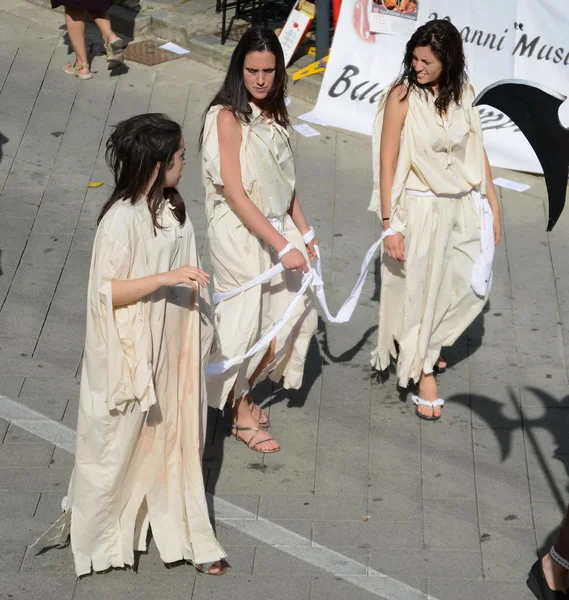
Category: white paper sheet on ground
[174,48]
[306,130]
[511,185]
[311,118]
[287,101]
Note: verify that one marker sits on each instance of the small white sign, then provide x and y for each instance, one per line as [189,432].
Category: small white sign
[174,48]
[306,130]
[511,185]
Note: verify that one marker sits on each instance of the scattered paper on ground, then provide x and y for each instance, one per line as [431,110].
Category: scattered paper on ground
[306,130]
[174,48]
[287,101]
[312,119]
[511,185]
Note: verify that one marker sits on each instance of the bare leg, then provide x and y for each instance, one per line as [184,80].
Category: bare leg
[76,30]
[243,416]
[103,22]
[555,574]
[428,391]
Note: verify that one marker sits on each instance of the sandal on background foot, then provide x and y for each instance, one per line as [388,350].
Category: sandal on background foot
[217,568]
[441,365]
[73,69]
[420,402]
[537,583]
[114,53]
[235,429]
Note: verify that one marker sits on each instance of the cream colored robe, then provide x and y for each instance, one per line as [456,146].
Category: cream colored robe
[427,301]
[142,408]
[237,255]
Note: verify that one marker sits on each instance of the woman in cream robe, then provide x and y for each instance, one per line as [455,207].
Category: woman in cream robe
[142,409]
[238,255]
[437,203]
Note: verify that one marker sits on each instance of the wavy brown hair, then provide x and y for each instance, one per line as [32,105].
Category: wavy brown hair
[134,149]
[444,40]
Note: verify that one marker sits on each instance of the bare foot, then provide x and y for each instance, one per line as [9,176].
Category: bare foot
[555,574]
[428,391]
[253,436]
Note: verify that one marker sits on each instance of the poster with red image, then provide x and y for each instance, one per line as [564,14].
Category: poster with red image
[396,17]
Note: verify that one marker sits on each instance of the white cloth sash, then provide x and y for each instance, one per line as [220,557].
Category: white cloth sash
[481,278]
[314,278]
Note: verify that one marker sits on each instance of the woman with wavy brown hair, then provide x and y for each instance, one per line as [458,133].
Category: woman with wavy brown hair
[434,193]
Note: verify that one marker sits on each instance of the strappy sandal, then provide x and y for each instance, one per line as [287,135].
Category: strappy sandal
[235,429]
[420,402]
[114,52]
[219,564]
[263,424]
[74,70]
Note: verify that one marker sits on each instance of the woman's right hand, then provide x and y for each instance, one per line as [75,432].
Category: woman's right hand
[394,246]
[186,274]
[294,261]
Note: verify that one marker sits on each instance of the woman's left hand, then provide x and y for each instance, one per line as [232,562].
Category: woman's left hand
[497,226]
[311,249]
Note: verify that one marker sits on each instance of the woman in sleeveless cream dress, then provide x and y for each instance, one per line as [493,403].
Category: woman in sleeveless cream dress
[254,215]
[433,191]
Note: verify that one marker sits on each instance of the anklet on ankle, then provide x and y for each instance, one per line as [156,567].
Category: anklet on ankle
[559,559]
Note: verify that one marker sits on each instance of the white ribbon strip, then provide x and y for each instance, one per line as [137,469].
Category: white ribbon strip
[314,277]
[286,250]
[222,366]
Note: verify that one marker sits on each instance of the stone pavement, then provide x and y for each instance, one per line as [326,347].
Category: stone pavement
[456,509]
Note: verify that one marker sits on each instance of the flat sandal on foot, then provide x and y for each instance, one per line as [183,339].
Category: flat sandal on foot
[235,429]
[74,70]
[114,53]
[219,564]
[420,402]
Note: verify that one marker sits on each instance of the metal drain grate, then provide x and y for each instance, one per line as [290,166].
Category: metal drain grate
[149,53]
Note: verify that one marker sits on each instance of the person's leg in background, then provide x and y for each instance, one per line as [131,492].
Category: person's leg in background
[548,576]
[76,31]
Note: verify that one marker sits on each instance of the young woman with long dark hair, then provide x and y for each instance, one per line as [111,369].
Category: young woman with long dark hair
[254,215]
[142,407]
[433,190]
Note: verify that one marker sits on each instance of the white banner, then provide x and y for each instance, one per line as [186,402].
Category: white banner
[516,39]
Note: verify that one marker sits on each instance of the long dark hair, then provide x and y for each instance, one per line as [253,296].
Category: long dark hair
[233,93]
[134,149]
[444,40]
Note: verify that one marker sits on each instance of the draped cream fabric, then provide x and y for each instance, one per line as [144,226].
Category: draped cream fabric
[427,301]
[267,168]
[142,408]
